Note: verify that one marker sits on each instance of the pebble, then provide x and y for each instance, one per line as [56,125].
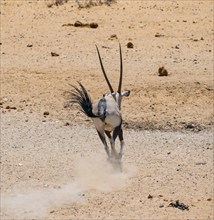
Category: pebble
[53,54]
[162,71]
[130,45]
[150,196]
[46,113]
[113,36]
[9,107]
[159,35]
[93,25]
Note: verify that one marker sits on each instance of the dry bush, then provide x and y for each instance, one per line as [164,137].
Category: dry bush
[50,3]
[80,3]
[91,3]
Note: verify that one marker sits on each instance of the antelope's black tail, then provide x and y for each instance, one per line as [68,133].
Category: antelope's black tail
[82,98]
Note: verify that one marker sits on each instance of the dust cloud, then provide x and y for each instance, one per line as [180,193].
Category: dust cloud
[36,203]
[91,173]
[95,172]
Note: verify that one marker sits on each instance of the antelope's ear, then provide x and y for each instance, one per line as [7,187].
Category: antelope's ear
[126,93]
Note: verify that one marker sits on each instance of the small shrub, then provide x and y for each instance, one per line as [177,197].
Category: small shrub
[91,3]
[56,2]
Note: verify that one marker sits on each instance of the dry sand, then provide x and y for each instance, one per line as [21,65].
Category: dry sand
[54,166]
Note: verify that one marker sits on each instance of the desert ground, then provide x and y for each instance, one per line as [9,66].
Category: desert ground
[53,165]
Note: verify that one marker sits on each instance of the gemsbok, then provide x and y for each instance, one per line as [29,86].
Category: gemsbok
[105,112]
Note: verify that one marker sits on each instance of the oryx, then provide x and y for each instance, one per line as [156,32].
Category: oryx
[105,112]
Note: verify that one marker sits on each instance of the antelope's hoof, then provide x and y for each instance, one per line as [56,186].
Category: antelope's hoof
[118,156]
[115,158]
[117,165]
[109,159]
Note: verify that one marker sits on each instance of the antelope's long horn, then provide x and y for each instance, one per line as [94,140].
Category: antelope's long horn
[104,73]
[121,72]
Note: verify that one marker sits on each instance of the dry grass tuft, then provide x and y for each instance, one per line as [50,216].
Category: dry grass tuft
[56,2]
[91,3]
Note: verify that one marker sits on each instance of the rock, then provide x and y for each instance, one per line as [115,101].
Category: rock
[159,35]
[78,24]
[162,71]
[190,126]
[67,124]
[130,45]
[53,54]
[93,25]
[150,196]
[81,24]
[46,113]
[30,45]
[113,36]
[13,107]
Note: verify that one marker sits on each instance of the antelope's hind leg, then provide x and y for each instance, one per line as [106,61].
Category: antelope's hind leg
[103,139]
[115,157]
[112,142]
[122,143]
[119,132]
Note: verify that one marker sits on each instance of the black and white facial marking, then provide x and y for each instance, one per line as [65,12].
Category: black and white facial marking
[118,96]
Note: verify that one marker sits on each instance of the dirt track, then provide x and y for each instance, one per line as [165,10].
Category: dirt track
[50,170]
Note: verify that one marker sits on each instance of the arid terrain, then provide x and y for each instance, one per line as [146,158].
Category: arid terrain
[53,165]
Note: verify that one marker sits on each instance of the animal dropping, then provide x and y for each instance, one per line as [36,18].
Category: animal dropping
[105,112]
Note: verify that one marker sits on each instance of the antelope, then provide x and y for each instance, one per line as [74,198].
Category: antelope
[105,112]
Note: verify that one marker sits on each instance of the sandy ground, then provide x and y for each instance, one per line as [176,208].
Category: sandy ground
[53,171]
[54,166]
